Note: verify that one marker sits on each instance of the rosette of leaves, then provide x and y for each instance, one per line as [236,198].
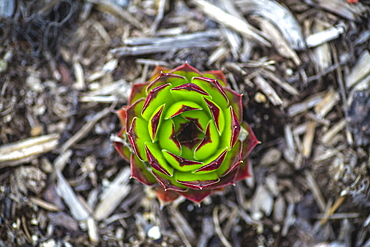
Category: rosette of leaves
[183,133]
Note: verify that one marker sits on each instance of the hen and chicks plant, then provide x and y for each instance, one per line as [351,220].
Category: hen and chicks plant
[183,133]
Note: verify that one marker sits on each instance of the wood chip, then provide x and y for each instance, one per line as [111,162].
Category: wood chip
[278,15]
[231,21]
[322,54]
[269,91]
[79,75]
[304,105]
[85,129]
[78,211]
[113,195]
[332,209]
[341,8]
[315,189]
[360,71]
[308,139]
[111,7]
[43,204]
[289,219]
[261,203]
[284,85]
[327,103]
[322,37]
[23,151]
[290,150]
[278,41]
[329,135]
[162,47]
[92,230]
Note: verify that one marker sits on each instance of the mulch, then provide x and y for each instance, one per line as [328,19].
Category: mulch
[302,67]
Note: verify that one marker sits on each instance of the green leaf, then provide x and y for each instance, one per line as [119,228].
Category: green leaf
[194,93]
[214,89]
[225,140]
[180,163]
[156,98]
[156,159]
[140,171]
[235,100]
[217,115]
[155,122]
[209,144]
[138,135]
[200,119]
[233,157]
[197,181]
[169,183]
[214,162]
[167,137]
[182,106]
[165,78]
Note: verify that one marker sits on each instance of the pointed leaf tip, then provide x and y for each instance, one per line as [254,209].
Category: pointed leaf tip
[153,162]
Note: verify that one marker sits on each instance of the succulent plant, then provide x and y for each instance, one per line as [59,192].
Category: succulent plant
[183,133]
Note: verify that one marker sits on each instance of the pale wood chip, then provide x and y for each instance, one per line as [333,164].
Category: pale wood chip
[43,204]
[268,90]
[324,36]
[326,155]
[208,230]
[328,136]
[360,71]
[308,139]
[322,53]
[152,62]
[78,211]
[101,99]
[332,209]
[289,219]
[327,103]
[162,47]
[23,151]
[159,17]
[233,38]
[290,149]
[103,33]
[305,104]
[284,85]
[92,231]
[279,42]
[231,21]
[217,55]
[278,15]
[342,8]
[315,189]
[79,74]
[189,37]
[279,209]
[338,216]
[261,203]
[117,190]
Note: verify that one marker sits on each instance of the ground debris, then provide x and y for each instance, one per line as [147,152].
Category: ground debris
[302,67]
